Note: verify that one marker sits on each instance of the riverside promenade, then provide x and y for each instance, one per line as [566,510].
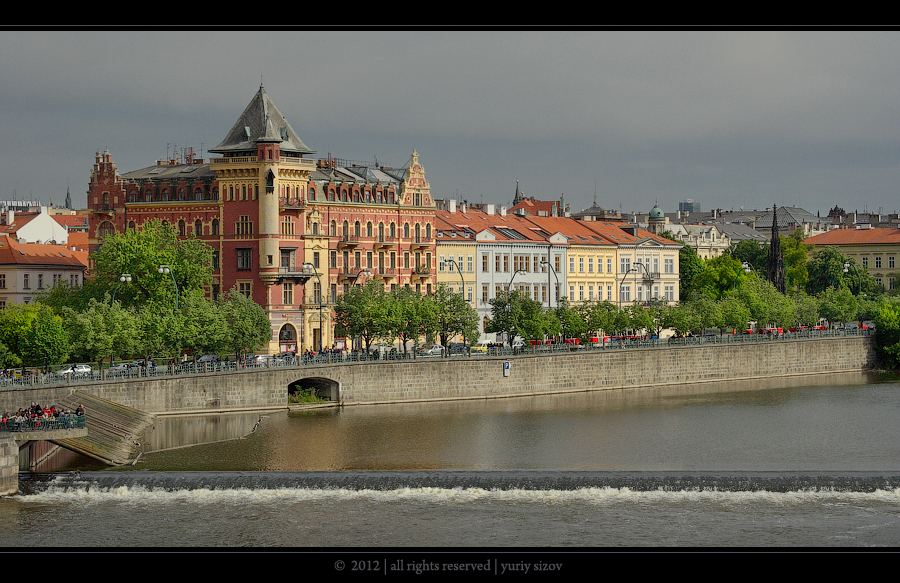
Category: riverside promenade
[529,372]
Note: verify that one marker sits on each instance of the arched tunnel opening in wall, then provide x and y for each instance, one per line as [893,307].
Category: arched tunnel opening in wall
[313,388]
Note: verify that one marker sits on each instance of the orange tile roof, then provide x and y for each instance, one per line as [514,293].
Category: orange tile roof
[14,253]
[856,237]
[19,220]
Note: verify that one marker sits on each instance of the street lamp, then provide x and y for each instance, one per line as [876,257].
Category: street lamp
[508,303]
[122,279]
[561,325]
[847,267]
[462,281]
[321,292]
[621,281]
[167,269]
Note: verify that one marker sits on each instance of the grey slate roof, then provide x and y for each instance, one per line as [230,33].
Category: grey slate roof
[261,122]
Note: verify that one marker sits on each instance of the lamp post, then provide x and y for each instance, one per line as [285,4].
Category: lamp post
[122,279]
[847,267]
[508,303]
[365,272]
[561,325]
[462,281]
[167,269]
[649,277]
[621,281]
[321,292]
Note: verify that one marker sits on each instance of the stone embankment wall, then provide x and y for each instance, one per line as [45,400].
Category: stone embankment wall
[9,465]
[482,377]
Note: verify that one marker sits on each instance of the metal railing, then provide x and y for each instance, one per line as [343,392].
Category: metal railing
[42,424]
[376,355]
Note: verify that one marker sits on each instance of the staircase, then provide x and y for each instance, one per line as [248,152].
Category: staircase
[115,431]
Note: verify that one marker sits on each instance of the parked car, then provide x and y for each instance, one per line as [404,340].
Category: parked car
[433,350]
[481,348]
[120,368]
[259,360]
[459,348]
[209,358]
[76,370]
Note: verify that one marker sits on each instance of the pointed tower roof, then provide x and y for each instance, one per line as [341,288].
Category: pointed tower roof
[261,122]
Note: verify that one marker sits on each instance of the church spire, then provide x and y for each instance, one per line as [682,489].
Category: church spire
[775,262]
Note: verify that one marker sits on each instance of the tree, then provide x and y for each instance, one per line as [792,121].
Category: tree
[718,276]
[101,330]
[363,312]
[752,252]
[407,316]
[682,319]
[795,253]
[509,312]
[140,253]
[454,315]
[15,322]
[203,329]
[825,269]
[46,343]
[837,305]
[733,314]
[887,333]
[247,327]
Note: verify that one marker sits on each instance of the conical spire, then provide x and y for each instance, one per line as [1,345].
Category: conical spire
[261,121]
[775,262]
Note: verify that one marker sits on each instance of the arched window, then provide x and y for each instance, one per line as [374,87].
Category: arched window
[181,228]
[182,193]
[406,230]
[418,238]
[198,194]
[356,229]
[214,227]
[148,195]
[315,228]
[428,230]
[132,195]
[164,194]
[106,228]
[131,225]
[393,231]
[381,231]
[198,227]
[369,229]
[345,229]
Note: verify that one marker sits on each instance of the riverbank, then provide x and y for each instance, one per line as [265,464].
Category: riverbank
[484,377]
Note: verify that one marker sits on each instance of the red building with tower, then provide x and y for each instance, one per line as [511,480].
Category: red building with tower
[290,231]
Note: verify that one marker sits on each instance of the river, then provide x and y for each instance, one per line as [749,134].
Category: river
[786,463]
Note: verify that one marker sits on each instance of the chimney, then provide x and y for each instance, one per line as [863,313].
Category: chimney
[10,217]
[452,205]
[502,211]
[489,209]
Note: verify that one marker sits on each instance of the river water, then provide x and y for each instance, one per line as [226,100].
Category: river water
[798,463]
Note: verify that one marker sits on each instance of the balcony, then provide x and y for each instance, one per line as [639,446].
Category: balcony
[422,242]
[385,272]
[386,242]
[289,203]
[296,275]
[420,273]
[348,241]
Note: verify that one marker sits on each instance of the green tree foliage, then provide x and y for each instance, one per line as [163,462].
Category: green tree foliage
[887,333]
[795,255]
[837,305]
[203,326]
[46,342]
[141,253]
[247,327]
[752,252]
[718,276]
[101,331]
[509,315]
[364,311]
[453,314]
[15,322]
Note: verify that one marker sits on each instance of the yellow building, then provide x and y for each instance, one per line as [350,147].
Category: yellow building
[877,250]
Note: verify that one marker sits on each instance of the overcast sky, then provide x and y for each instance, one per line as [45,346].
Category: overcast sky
[727,118]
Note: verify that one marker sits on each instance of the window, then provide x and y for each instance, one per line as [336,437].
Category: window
[287,292]
[891,262]
[571,265]
[580,293]
[571,293]
[670,293]
[624,264]
[484,293]
[625,293]
[243,260]
[590,265]
[316,259]
[865,261]
[441,264]
[244,288]
[470,264]
[609,265]
[497,263]
[243,226]
[670,265]
[557,267]
[486,269]
[25,282]
[40,281]
[214,227]
[287,227]
[877,263]
[581,265]
[198,227]
[332,259]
